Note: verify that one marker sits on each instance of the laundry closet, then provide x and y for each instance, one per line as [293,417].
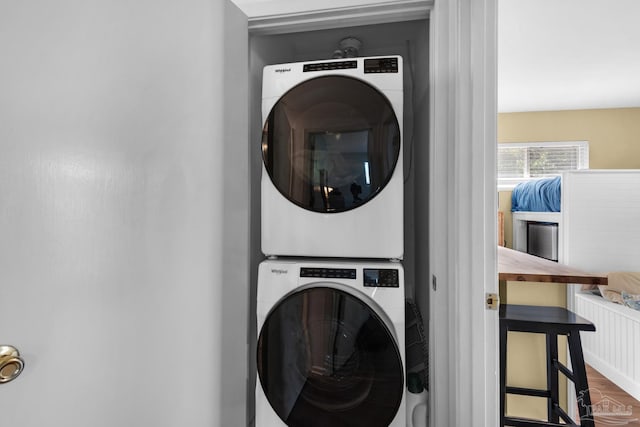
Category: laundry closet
[410,41]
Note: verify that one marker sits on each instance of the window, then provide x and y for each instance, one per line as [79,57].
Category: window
[519,162]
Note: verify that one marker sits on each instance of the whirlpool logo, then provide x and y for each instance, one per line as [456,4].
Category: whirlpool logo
[279,271]
[283,70]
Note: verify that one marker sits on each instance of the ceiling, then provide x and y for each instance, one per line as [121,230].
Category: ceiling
[552,54]
[568,54]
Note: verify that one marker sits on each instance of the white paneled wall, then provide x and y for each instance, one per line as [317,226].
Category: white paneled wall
[614,349]
[601,233]
[600,211]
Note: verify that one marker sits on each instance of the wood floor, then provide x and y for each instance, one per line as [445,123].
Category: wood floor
[609,398]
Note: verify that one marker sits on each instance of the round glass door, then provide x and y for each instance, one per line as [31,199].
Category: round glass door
[331,144]
[326,359]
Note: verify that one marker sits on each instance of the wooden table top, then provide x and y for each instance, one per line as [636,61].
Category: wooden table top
[521,267]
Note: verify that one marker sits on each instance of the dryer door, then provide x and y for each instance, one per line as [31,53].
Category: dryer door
[331,143]
[325,358]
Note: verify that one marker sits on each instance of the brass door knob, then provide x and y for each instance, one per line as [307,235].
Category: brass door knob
[11,364]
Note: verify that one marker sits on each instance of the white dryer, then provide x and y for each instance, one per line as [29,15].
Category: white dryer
[332,176]
[330,348]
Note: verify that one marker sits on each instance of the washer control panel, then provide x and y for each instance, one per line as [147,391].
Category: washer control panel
[328,273]
[381,278]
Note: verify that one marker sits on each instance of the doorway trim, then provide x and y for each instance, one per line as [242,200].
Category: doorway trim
[463,196]
[280,19]
[464,210]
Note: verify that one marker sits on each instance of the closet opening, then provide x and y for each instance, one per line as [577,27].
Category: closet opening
[409,39]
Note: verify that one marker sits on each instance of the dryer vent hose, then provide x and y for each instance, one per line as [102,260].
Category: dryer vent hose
[416,343]
[348,48]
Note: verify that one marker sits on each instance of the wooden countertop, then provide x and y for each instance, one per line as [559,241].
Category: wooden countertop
[522,267]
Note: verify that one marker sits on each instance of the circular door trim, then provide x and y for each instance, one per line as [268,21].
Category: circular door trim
[318,408]
[355,188]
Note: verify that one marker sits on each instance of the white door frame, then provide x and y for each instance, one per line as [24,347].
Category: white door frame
[463,191]
[463,213]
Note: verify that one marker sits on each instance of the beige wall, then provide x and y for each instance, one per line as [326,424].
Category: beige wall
[613,135]
[526,365]
[614,143]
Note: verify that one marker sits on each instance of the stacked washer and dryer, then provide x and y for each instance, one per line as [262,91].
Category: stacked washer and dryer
[330,299]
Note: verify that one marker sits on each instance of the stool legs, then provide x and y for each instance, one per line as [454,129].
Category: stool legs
[552,378]
[503,371]
[578,377]
[580,380]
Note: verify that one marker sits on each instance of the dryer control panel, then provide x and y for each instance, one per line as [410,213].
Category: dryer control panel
[328,273]
[381,277]
[326,66]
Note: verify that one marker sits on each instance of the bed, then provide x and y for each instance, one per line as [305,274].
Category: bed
[598,231]
[534,201]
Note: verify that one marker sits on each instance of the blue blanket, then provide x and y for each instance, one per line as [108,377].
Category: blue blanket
[541,195]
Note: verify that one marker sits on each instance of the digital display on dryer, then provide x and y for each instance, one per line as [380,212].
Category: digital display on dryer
[381,65]
[381,277]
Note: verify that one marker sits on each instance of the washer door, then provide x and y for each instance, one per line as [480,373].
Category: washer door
[331,144]
[326,359]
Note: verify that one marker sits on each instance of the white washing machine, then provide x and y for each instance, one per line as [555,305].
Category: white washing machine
[332,176]
[330,348]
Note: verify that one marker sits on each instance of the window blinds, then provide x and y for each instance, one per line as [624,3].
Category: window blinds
[521,161]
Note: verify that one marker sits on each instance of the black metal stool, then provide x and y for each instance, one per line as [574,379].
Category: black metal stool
[551,321]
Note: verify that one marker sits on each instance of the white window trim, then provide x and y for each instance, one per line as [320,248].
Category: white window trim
[507,184]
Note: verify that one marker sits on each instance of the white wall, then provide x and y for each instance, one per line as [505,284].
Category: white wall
[113,196]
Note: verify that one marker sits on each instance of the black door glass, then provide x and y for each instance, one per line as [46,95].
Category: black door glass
[326,359]
[331,143]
